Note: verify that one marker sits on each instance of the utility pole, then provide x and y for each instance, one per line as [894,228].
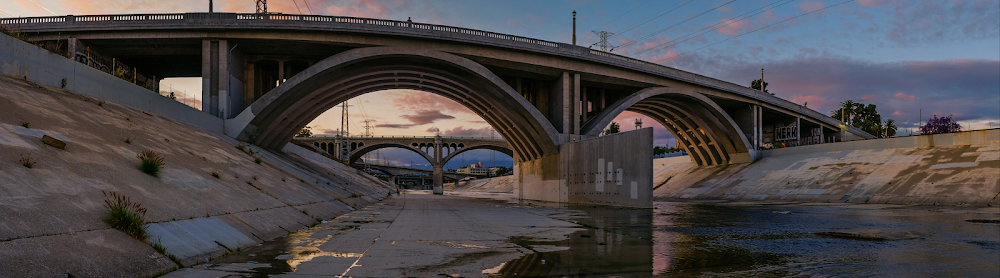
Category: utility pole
[211,7]
[369,129]
[262,6]
[638,123]
[604,45]
[574,27]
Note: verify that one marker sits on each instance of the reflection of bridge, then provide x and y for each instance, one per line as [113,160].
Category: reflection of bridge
[271,74]
[437,150]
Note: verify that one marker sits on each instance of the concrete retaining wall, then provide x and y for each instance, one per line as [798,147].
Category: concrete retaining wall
[956,168]
[23,60]
[608,170]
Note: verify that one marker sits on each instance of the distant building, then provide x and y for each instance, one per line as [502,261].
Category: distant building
[478,170]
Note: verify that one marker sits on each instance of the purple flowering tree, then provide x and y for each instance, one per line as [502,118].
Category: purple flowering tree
[937,125]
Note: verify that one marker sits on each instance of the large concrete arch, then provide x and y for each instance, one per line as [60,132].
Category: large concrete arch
[274,119]
[495,147]
[707,132]
[357,154]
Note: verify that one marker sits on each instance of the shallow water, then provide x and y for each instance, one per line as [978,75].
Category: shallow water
[748,240]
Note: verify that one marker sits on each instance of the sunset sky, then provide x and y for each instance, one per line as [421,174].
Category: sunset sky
[907,57]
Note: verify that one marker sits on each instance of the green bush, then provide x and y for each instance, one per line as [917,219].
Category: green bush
[125,215]
[150,163]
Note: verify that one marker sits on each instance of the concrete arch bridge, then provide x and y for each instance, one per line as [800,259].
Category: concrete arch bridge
[270,74]
[437,150]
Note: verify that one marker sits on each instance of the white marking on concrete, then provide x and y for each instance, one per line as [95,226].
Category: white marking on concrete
[619,180]
[954,165]
[635,190]
[600,175]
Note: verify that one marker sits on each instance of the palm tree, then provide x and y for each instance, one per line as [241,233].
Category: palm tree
[890,128]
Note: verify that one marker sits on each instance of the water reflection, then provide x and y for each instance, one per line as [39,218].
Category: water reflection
[699,240]
[617,241]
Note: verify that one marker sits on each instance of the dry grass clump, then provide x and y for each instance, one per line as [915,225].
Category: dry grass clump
[150,162]
[125,215]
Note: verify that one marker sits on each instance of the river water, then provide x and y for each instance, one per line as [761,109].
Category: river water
[755,240]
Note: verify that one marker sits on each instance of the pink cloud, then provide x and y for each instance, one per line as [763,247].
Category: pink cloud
[903,96]
[868,3]
[731,27]
[811,6]
[417,100]
[769,14]
[867,97]
[897,114]
[814,102]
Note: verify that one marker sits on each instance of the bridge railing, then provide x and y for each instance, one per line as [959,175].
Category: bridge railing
[325,137]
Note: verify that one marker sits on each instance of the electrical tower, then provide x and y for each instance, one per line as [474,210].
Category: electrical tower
[369,129]
[638,123]
[262,6]
[604,45]
[345,127]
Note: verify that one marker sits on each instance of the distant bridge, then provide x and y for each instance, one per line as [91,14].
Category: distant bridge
[271,74]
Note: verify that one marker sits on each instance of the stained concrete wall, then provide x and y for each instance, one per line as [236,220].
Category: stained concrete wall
[23,60]
[955,168]
[611,170]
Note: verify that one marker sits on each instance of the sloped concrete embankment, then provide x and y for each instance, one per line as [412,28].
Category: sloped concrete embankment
[504,184]
[951,169]
[50,213]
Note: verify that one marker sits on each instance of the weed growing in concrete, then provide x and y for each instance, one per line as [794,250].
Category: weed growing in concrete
[27,161]
[150,162]
[355,195]
[25,124]
[254,177]
[158,245]
[257,160]
[306,212]
[216,174]
[282,179]
[100,102]
[125,215]
[241,146]
[64,83]
[128,141]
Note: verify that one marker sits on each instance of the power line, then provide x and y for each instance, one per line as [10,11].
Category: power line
[43,7]
[296,6]
[712,27]
[620,16]
[755,30]
[655,17]
[650,35]
[307,7]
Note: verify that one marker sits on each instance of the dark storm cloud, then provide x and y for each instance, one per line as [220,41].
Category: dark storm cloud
[426,116]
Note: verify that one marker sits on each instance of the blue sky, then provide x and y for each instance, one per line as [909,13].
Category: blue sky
[907,57]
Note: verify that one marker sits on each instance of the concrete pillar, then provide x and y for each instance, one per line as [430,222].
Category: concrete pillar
[438,166]
[576,100]
[281,71]
[71,44]
[215,77]
[585,103]
[566,103]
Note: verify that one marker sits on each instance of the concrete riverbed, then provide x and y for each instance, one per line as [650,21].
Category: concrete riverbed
[488,235]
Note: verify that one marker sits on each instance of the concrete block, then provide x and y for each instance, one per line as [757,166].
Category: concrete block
[52,141]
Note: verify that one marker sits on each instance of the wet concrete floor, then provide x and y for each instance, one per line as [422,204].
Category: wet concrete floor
[422,235]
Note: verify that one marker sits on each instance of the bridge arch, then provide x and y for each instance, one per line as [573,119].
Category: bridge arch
[495,147]
[708,134]
[358,153]
[274,119]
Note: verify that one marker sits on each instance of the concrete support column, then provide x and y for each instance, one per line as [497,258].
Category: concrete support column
[438,167]
[576,100]
[585,105]
[438,179]
[281,71]
[215,77]
[71,44]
